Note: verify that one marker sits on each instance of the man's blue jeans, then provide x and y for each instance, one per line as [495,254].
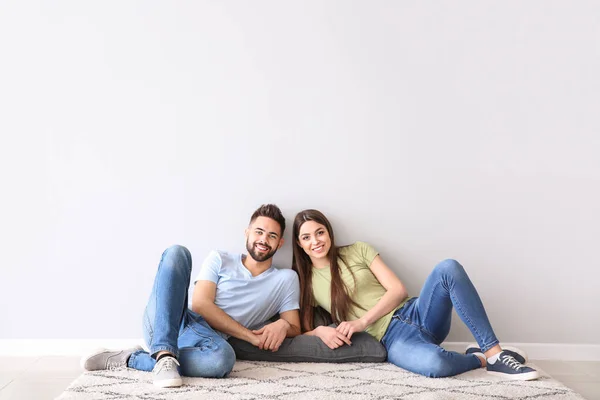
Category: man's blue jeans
[414,335]
[171,326]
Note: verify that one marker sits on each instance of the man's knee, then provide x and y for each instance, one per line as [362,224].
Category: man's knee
[177,256]
[201,363]
[224,361]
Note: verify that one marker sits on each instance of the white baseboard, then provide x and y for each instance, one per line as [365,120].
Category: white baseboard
[61,347]
[78,347]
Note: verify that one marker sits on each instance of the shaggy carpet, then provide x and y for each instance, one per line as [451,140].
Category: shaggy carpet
[262,380]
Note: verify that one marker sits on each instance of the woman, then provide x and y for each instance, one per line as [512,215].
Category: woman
[362,294]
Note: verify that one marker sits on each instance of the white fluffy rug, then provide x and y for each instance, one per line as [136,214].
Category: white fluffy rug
[262,380]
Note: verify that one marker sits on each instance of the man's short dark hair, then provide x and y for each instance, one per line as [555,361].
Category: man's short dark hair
[270,211]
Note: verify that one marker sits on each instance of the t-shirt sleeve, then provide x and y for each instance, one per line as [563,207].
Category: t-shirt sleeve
[367,252]
[209,271]
[291,300]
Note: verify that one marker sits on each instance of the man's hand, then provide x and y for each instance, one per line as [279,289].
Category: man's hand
[271,336]
[331,337]
[348,328]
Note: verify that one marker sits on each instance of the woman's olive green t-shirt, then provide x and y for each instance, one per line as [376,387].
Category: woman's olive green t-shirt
[364,289]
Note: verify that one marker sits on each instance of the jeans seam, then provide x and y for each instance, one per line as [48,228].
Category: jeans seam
[458,306]
[155,293]
[185,329]
[408,321]
[149,329]
[430,334]
[489,346]
[429,301]
[209,338]
[153,349]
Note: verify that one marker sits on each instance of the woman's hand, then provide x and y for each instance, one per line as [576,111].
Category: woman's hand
[331,337]
[348,328]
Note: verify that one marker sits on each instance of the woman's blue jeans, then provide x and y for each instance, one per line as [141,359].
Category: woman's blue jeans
[171,326]
[417,329]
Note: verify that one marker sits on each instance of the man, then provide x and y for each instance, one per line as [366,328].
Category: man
[235,297]
[234,294]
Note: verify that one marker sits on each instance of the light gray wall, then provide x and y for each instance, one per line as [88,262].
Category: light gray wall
[464,130]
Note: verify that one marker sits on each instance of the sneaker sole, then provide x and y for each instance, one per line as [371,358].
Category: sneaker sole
[165,383]
[527,376]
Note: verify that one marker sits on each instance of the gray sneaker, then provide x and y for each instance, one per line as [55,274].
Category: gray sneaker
[166,373]
[107,359]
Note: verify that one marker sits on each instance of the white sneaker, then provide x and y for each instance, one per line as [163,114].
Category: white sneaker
[166,373]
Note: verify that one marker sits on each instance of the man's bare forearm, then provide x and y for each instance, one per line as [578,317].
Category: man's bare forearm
[221,321]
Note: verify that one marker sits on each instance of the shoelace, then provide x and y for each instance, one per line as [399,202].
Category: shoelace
[114,362]
[167,364]
[111,366]
[511,362]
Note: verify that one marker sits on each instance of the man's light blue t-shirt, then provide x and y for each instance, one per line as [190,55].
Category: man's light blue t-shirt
[250,300]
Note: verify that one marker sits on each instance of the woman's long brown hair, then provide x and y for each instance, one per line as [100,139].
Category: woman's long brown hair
[301,263]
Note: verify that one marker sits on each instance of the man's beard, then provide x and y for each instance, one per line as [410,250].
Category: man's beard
[259,256]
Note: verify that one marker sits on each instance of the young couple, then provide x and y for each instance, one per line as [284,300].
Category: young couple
[237,297]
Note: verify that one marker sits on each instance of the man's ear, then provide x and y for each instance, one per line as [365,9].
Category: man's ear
[281,243]
[246,232]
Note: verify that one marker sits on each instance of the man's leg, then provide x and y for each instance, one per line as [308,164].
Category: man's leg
[168,301]
[202,351]
[162,318]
